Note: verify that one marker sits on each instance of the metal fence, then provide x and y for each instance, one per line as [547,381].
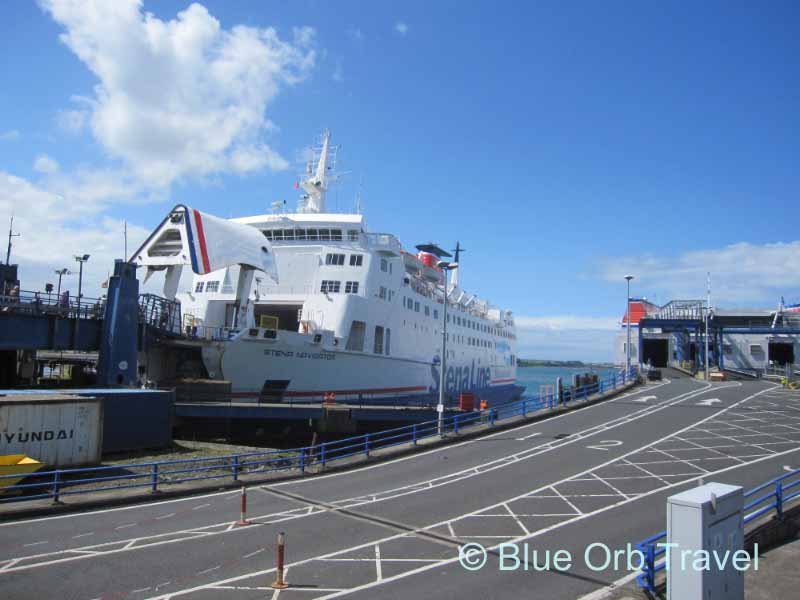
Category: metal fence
[58,483]
[780,492]
[38,303]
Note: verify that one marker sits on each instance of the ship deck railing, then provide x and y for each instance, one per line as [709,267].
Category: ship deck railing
[159,475]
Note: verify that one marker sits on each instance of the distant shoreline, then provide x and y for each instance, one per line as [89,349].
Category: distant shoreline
[573,364]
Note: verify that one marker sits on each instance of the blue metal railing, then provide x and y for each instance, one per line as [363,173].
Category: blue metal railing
[66,482]
[783,490]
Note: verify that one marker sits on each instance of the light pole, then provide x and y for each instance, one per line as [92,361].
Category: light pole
[61,273]
[444,266]
[80,260]
[708,310]
[628,327]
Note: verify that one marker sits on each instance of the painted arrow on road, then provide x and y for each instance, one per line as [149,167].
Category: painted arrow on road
[709,402]
[644,399]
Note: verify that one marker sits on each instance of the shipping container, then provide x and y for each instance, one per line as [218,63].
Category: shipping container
[133,419]
[59,430]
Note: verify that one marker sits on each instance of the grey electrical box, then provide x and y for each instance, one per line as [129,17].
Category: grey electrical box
[709,518]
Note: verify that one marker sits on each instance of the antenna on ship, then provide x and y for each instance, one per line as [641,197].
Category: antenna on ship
[458,251]
[317,176]
[358,196]
[11,234]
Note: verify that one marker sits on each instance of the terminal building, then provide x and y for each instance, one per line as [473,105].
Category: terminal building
[751,341]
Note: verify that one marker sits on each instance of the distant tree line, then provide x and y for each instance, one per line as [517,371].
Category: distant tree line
[532,362]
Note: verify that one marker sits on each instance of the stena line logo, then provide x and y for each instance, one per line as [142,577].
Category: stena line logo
[44,435]
[460,378]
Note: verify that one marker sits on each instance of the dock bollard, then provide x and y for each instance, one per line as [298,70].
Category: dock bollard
[279,583]
[243,511]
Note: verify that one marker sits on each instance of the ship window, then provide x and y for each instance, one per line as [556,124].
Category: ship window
[336,235]
[325,234]
[311,234]
[756,350]
[334,259]
[199,287]
[356,260]
[268,234]
[351,287]
[427,312]
[355,341]
[278,234]
[391,295]
[330,287]
[288,234]
[352,235]
[212,286]
[299,234]
[727,349]
[388,341]
[384,265]
[378,346]
[435,313]
[416,306]
[382,293]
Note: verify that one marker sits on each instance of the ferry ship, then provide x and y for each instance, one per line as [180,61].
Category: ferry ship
[349,313]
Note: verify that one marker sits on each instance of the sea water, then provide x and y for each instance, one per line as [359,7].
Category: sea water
[533,377]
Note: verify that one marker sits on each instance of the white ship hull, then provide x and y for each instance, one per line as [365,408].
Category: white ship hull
[295,369]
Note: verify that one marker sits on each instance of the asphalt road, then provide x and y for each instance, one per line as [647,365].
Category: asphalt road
[394,529]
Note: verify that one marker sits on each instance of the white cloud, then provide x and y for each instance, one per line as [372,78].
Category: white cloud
[178,98]
[740,273]
[53,230]
[565,322]
[567,337]
[45,164]
[401,28]
[72,121]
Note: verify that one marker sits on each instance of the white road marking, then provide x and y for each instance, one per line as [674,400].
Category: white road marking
[644,399]
[709,402]
[80,535]
[201,506]
[209,570]
[604,445]
[165,516]
[378,572]
[516,518]
[126,526]
[34,544]
[527,437]
[252,554]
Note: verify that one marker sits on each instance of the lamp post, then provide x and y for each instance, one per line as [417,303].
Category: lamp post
[708,310]
[444,266]
[61,273]
[81,259]
[628,327]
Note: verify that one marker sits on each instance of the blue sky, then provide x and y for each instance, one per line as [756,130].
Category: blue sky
[563,144]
